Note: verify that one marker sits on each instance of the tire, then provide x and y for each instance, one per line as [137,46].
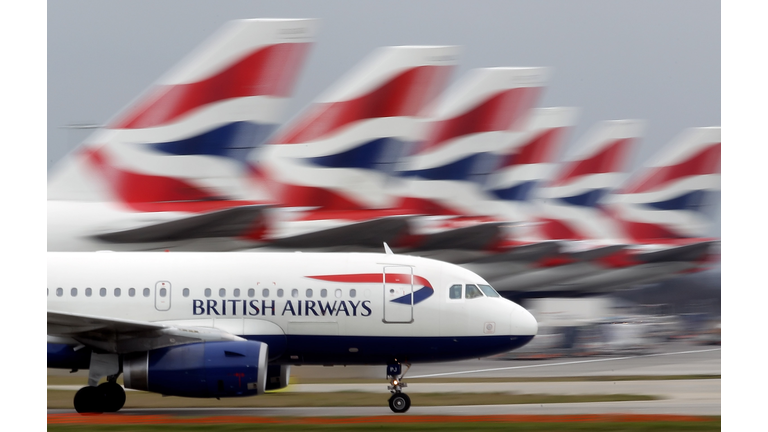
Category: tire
[113,396]
[399,403]
[87,400]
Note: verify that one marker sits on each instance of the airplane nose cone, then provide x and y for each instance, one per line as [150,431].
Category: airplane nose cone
[523,323]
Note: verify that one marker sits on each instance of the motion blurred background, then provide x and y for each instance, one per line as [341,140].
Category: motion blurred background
[652,60]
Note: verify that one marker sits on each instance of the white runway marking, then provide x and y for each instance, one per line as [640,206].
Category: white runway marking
[563,363]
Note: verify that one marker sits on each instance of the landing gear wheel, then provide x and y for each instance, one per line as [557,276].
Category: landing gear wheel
[399,402]
[88,400]
[113,396]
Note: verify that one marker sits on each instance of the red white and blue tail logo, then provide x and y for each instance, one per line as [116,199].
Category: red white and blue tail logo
[667,199]
[527,162]
[464,139]
[570,205]
[183,144]
[330,166]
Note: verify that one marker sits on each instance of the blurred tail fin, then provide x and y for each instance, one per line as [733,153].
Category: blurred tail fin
[666,199]
[186,138]
[528,161]
[473,123]
[339,152]
[524,165]
[570,207]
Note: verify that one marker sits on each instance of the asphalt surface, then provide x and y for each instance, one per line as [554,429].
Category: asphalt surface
[683,397]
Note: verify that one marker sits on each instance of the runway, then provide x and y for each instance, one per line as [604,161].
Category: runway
[677,396]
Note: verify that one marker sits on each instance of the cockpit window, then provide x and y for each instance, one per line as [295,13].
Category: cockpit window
[473,292]
[454,291]
[489,291]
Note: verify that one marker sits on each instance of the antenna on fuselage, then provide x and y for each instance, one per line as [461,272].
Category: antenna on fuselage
[387,249]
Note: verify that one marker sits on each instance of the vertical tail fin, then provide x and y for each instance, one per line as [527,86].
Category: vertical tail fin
[527,161]
[338,153]
[570,207]
[665,200]
[465,135]
[186,138]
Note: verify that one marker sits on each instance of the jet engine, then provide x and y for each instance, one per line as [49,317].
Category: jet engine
[277,376]
[204,370]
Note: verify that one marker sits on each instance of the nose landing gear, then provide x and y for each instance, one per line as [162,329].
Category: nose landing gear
[399,402]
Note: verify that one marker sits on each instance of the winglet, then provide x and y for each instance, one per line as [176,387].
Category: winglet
[387,249]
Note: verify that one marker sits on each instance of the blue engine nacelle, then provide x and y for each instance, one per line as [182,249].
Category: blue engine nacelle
[208,369]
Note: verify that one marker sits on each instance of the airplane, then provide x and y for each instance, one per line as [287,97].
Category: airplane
[170,170]
[230,324]
[329,167]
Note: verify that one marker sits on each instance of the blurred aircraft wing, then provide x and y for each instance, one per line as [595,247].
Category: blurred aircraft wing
[231,222]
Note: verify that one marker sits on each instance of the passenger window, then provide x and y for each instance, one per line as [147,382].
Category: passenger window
[73,292]
[163,292]
[236,292]
[489,291]
[294,293]
[103,292]
[473,292]
[323,293]
[264,293]
[222,292]
[132,292]
[309,293]
[185,292]
[280,292]
[59,292]
[353,293]
[146,292]
[207,292]
[251,292]
[117,292]
[338,293]
[88,292]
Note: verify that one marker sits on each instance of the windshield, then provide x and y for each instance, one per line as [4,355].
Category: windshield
[473,292]
[489,291]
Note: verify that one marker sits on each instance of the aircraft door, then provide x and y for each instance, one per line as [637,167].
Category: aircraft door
[398,294]
[163,295]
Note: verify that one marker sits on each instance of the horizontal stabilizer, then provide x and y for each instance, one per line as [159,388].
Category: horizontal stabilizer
[690,252]
[232,222]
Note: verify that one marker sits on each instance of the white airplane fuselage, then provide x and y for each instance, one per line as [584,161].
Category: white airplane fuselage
[309,308]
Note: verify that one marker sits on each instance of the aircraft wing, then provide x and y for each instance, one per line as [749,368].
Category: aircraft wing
[344,233]
[687,252]
[231,222]
[123,336]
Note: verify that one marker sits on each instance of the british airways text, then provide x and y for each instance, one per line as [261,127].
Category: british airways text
[237,307]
